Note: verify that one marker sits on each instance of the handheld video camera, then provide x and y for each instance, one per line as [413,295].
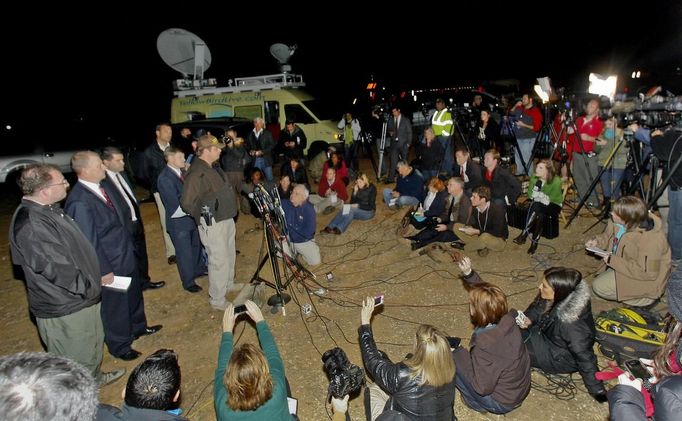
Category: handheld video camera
[344,377]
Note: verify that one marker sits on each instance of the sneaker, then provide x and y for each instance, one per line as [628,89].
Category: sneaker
[328,210]
[326,230]
[457,244]
[110,377]
[483,252]
[336,231]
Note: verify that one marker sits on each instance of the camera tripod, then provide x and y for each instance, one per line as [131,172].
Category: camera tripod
[509,128]
[381,147]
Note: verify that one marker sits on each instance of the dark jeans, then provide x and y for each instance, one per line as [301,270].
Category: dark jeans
[477,402]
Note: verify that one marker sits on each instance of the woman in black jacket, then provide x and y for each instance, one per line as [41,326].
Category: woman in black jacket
[362,207]
[560,329]
[422,386]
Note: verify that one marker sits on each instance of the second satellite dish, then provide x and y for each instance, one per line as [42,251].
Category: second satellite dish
[283,53]
[184,52]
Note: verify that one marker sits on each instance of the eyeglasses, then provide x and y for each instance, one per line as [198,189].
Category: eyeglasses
[64,182]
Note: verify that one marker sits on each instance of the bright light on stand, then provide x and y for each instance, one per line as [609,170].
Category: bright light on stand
[544,96]
[603,85]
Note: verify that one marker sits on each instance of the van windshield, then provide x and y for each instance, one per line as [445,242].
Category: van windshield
[317,108]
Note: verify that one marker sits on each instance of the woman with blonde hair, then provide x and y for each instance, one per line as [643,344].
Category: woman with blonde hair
[249,383]
[421,387]
[362,206]
[493,375]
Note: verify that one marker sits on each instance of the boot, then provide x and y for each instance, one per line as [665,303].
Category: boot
[535,231]
[521,239]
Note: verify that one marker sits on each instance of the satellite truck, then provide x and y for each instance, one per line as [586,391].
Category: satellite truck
[276,98]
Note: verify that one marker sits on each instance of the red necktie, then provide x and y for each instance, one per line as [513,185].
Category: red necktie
[106,197]
[461,172]
[182,175]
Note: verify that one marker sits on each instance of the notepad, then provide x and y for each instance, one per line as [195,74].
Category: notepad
[293,405]
[596,250]
[121,283]
[346,209]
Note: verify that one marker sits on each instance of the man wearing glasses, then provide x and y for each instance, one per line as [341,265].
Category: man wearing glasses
[61,270]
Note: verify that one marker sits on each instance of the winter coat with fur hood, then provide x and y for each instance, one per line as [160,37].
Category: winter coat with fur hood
[562,340]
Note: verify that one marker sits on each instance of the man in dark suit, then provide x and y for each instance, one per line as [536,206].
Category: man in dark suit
[181,226]
[154,163]
[117,187]
[399,128]
[467,170]
[94,211]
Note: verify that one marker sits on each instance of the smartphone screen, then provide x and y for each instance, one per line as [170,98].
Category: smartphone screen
[637,369]
[240,309]
[379,300]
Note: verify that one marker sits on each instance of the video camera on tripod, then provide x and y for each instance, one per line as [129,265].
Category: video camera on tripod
[653,113]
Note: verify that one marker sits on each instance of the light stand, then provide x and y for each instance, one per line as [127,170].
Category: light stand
[382,146]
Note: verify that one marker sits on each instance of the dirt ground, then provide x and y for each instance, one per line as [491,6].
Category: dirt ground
[368,259]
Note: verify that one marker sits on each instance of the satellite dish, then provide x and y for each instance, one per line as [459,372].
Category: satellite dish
[283,53]
[184,52]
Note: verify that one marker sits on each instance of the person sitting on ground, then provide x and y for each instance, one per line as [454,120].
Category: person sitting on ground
[544,191]
[430,152]
[432,207]
[422,386]
[457,211]
[559,329]
[626,402]
[249,383]
[336,161]
[317,163]
[504,187]
[493,375]
[301,222]
[409,189]
[152,391]
[362,207]
[36,386]
[296,172]
[255,180]
[468,170]
[639,258]
[486,228]
[284,187]
[331,195]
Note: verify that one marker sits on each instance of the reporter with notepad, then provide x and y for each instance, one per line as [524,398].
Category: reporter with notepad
[638,260]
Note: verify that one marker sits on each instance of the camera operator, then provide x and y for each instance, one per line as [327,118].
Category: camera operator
[585,162]
[528,123]
[667,147]
[422,386]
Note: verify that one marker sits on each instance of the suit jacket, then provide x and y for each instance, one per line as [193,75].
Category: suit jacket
[122,209]
[264,142]
[403,133]
[170,189]
[102,226]
[473,173]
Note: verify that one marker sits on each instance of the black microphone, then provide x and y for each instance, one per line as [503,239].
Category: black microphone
[538,185]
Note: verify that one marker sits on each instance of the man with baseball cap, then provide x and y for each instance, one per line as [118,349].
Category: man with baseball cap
[211,200]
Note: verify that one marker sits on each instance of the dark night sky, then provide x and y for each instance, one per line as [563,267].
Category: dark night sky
[122,82]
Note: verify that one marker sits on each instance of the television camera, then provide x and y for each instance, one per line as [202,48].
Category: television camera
[344,377]
[655,112]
